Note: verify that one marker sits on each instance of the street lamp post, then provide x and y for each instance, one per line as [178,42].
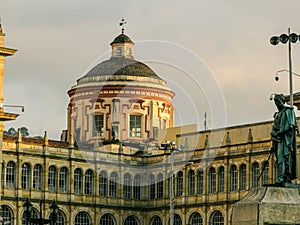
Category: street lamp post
[287,38]
[40,221]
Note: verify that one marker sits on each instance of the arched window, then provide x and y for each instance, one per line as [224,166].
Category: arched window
[151,186]
[78,181]
[113,184]
[233,178]
[61,218]
[265,175]
[196,219]
[217,218]
[191,182]
[52,178]
[82,218]
[107,219]
[243,177]
[103,184]
[156,220]
[221,179]
[169,184]
[137,187]
[177,220]
[11,175]
[34,215]
[37,177]
[200,182]
[160,186]
[127,186]
[89,182]
[179,183]
[131,220]
[26,176]
[63,179]
[7,215]
[255,175]
[212,180]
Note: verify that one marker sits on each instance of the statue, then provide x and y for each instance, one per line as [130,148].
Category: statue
[283,138]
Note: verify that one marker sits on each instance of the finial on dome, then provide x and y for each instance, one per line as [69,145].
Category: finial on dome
[0,26]
[122,24]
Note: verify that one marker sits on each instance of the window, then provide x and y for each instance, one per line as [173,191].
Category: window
[169,184]
[200,182]
[63,180]
[11,175]
[25,180]
[119,51]
[61,218]
[37,177]
[243,177]
[7,215]
[103,184]
[82,218]
[107,219]
[179,183]
[221,179]
[217,218]
[160,186]
[131,220]
[151,186]
[127,186]
[34,215]
[191,182]
[52,178]
[177,220]
[128,51]
[156,220]
[212,180]
[196,219]
[98,125]
[78,181]
[113,184]
[2,175]
[135,126]
[265,175]
[89,182]
[233,178]
[137,187]
[255,175]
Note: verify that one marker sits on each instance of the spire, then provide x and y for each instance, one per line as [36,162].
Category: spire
[19,140]
[122,24]
[46,141]
[0,26]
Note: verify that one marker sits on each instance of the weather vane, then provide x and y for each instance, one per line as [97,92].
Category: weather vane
[122,24]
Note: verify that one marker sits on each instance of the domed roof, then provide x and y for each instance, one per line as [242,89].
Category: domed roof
[122,38]
[121,66]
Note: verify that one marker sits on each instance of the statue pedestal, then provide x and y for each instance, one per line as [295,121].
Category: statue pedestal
[268,206]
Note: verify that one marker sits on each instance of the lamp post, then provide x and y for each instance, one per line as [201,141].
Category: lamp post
[287,38]
[40,221]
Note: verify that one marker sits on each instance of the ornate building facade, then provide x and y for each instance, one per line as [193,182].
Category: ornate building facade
[109,167]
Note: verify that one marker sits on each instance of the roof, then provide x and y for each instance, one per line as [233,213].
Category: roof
[122,38]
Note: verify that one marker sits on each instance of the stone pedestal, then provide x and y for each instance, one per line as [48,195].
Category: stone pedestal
[268,206]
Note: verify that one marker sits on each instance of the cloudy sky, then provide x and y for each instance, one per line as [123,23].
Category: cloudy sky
[215,54]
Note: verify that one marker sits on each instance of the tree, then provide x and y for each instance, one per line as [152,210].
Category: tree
[11,131]
[24,131]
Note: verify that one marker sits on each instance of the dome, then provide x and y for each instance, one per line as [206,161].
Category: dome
[121,66]
[122,38]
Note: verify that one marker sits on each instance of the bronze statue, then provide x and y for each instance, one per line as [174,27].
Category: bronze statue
[284,146]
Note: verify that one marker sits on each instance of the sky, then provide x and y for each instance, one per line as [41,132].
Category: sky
[215,55]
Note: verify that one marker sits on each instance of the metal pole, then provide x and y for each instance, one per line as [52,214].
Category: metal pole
[172,190]
[290,69]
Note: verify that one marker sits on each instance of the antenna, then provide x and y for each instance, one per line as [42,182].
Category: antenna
[122,24]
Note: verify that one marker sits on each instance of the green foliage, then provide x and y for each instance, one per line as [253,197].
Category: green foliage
[12,131]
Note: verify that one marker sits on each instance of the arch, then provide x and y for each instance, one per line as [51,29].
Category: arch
[177,220]
[216,218]
[221,179]
[63,179]
[131,220]
[196,219]
[255,174]
[7,215]
[34,214]
[160,186]
[78,177]
[156,220]
[211,180]
[137,192]
[89,182]
[179,183]
[151,186]
[243,176]
[11,175]
[233,178]
[26,176]
[52,178]
[113,184]
[127,188]
[265,174]
[61,218]
[107,219]
[82,218]
[103,183]
[37,181]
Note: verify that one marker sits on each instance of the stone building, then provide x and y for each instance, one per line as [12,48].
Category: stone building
[110,169]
